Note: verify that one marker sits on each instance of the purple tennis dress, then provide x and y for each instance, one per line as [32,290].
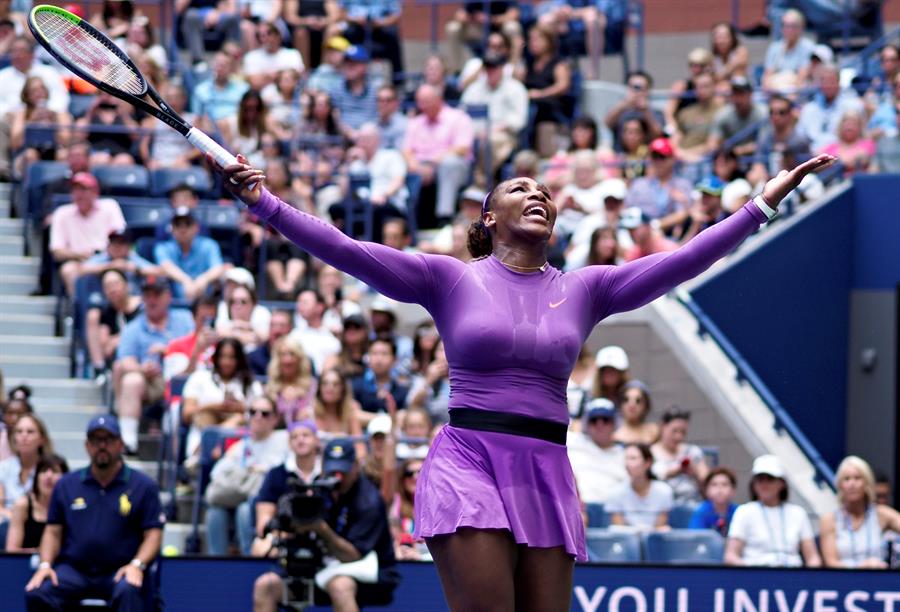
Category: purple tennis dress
[511,340]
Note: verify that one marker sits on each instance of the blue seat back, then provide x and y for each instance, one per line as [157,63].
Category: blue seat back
[122,180]
[604,546]
[164,180]
[685,546]
[680,516]
[37,177]
[597,515]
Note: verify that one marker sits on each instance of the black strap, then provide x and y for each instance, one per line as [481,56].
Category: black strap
[503,422]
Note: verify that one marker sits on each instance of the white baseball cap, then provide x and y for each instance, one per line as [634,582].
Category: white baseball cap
[612,357]
[241,276]
[381,424]
[768,464]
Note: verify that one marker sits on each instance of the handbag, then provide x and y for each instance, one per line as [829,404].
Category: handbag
[233,486]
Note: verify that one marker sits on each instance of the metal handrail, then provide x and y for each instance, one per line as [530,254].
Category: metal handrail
[824,475]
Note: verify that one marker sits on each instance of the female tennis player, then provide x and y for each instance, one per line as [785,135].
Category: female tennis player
[496,499]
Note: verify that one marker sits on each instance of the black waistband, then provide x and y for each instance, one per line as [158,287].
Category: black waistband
[503,422]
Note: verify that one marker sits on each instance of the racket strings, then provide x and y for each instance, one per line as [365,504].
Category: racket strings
[88,53]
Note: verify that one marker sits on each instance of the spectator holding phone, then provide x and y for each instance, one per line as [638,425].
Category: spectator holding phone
[680,465]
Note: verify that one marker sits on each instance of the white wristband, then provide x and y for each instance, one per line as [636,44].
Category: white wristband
[767,210]
[44,565]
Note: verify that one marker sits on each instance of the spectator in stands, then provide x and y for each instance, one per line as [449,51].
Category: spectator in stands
[328,75]
[708,210]
[437,146]
[240,324]
[854,535]
[852,148]
[163,147]
[280,325]
[339,302]
[141,39]
[355,526]
[104,323]
[137,371]
[355,97]
[597,460]
[507,112]
[468,26]
[322,128]
[291,385]
[106,549]
[354,336]
[583,193]
[391,122]
[15,407]
[646,238]
[9,26]
[548,78]
[193,262]
[111,130]
[612,372]
[821,116]
[243,131]
[425,345]
[431,389]
[237,477]
[27,138]
[81,229]
[282,97]
[380,462]
[887,151]
[395,234]
[194,351]
[316,339]
[787,61]
[881,87]
[30,442]
[401,514]
[768,530]
[780,139]
[378,389]
[684,91]
[310,23]
[661,195]
[730,56]
[883,494]
[883,121]
[199,16]
[737,117]
[718,507]
[604,249]
[262,65]
[497,43]
[219,96]
[633,138]
[119,256]
[22,66]
[585,137]
[29,513]
[737,189]
[335,409]
[220,396]
[383,314]
[416,425]
[374,24]
[642,502]
[434,73]
[580,387]
[635,104]
[682,466]
[634,406]
[557,16]
[115,18]
[695,121]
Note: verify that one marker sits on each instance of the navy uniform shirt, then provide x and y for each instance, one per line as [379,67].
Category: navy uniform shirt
[103,527]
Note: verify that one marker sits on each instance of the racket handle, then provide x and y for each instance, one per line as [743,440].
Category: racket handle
[208,145]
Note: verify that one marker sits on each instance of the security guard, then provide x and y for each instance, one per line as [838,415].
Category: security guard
[104,527]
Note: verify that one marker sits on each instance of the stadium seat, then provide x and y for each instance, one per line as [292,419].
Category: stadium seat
[211,438]
[414,187]
[222,224]
[163,180]
[684,546]
[122,180]
[143,220]
[37,177]
[680,516]
[597,515]
[605,546]
[88,294]
[79,104]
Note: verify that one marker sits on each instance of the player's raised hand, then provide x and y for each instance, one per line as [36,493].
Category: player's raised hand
[787,180]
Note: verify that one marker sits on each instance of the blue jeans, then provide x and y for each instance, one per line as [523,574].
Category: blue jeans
[75,586]
[218,527]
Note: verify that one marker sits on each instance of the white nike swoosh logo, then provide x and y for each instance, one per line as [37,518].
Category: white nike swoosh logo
[559,303]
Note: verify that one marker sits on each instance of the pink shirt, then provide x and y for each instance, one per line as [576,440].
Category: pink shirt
[72,231]
[427,140]
[658,244]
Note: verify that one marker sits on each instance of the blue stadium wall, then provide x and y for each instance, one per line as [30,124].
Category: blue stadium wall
[787,306]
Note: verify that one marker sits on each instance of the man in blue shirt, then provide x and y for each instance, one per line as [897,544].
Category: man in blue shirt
[374,23]
[190,260]
[137,372]
[104,528]
[355,97]
[120,256]
[218,97]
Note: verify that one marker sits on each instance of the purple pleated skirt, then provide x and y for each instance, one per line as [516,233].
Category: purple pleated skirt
[492,480]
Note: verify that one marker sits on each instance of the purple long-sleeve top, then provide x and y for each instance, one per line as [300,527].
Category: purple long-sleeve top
[511,339]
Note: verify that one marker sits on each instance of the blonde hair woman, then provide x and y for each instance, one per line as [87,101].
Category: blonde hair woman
[291,385]
[335,408]
[852,535]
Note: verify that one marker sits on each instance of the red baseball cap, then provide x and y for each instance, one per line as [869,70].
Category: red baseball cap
[662,146]
[75,9]
[85,179]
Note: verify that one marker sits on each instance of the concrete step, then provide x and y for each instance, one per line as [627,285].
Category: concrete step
[25,325]
[10,227]
[4,203]
[30,305]
[17,284]
[34,367]
[60,418]
[58,392]
[33,346]
[19,266]
[12,245]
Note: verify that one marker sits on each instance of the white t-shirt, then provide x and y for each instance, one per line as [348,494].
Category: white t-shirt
[638,511]
[261,455]
[318,344]
[260,318]
[386,166]
[685,488]
[598,471]
[13,81]
[771,536]
[260,61]
[207,388]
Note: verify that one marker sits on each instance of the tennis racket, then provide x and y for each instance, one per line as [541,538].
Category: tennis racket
[90,54]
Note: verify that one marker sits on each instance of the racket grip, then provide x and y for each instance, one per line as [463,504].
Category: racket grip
[208,145]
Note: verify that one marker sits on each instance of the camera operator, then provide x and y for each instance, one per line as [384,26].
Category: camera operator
[353,527]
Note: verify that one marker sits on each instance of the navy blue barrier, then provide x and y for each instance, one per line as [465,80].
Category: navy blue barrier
[227,584]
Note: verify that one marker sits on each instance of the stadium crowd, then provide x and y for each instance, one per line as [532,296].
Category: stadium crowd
[229,325]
